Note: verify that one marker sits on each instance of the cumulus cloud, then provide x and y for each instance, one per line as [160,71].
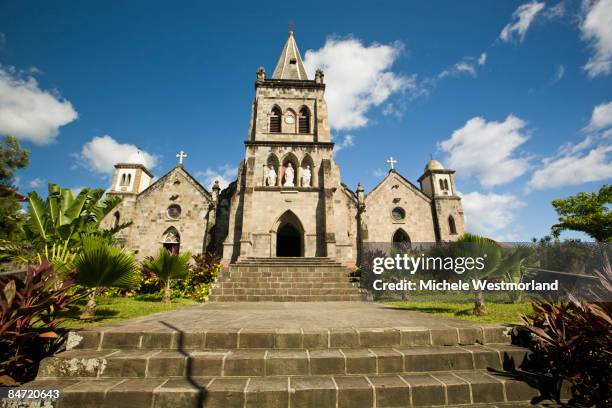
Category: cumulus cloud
[490,214]
[482,59]
[359,78]
[35,183]
[30,113]
[583,162]
[488,150]
[347,141]
[596,28]
[101,154]
[224,174]
[601,117]
[522,18]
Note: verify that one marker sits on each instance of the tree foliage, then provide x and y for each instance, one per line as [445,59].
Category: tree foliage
[12,158]
[586,212]
[167,267]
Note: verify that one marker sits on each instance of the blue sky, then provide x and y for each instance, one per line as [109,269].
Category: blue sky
[516,96]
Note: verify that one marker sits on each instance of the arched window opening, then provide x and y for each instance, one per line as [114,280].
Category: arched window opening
[171,240]
[270,171]
[441,184]
[451,225]
[123,179]
[446,184]
[116,219]
[401,237]
[307,172]
[304,120]
[129,179]
[275,120]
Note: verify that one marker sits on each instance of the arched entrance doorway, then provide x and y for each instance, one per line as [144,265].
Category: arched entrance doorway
[289,236]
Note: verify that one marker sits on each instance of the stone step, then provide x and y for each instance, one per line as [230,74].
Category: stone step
[254,277]
[284,285]
[110,338]
[263,363]
[287,291]
[405,390]
[288,272]
[284,298]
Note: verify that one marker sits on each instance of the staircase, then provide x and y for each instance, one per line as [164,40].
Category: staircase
[319,368]
[285,280]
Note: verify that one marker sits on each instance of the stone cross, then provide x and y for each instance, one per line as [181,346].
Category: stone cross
[181,156]
[391,162]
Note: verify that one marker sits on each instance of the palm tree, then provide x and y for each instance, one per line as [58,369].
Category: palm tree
[55,226]
[167,267]
[102,265]
[475,246]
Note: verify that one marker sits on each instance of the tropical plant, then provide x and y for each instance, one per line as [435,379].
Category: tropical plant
[511,267]
[167,267]
[12,158]
[200,276]
[56,226]
[572,341]
[102,265]
[29,315]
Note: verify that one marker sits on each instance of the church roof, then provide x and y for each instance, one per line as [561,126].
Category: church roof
[290,64]
[199,187]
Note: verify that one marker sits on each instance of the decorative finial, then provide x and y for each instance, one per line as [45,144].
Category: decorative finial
[181,156]
[291,26]
[216,185]
[359,187]
[391,162]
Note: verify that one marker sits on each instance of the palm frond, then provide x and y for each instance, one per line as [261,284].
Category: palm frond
[38,217]
[167,266]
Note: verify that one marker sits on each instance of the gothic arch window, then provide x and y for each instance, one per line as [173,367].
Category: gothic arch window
[116,219]
[446,184]
[123,181]
[304,120]
[451,225]
[171,240]
[401,237]
[129,179]
[275,120]
[441,184]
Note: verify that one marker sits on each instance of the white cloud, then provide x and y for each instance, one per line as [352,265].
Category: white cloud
[466,66]
[224,174]
[601,117]
[482,59]
[596,28]
[35,183]
[30,113]
[490,214]
[560,73]
[488,150]
[102,153]
[558,10]
[347,141]
[522,18]
[359,78]
[574,165]
[379,173]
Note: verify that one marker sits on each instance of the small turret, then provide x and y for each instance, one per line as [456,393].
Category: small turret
[133,176]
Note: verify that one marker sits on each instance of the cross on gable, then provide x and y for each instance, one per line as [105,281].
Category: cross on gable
[391,162]
[181,156]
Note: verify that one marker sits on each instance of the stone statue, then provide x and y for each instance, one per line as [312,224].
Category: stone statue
[306,176]
[289,175]
[270,176]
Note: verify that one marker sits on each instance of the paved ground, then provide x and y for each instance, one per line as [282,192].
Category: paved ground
[290,315]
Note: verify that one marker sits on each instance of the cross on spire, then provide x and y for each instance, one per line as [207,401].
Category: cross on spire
[181,156]
[391,162]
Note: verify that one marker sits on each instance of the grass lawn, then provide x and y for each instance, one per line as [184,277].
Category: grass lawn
[497,312]
[112,309]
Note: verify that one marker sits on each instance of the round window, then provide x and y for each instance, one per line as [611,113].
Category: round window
[174,211]
[398,214]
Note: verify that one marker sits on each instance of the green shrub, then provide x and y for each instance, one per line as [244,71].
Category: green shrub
[200,277]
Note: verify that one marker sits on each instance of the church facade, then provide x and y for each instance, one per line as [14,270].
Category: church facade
[288,198]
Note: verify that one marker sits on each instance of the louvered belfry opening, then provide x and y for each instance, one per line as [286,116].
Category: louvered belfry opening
[275,120]
[304,121]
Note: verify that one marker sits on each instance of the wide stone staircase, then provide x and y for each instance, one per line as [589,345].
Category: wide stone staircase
[285,280]
[318,368]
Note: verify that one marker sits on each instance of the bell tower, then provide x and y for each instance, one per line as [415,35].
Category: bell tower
[289,178]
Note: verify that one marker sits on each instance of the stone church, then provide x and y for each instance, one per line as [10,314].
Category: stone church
[288,198]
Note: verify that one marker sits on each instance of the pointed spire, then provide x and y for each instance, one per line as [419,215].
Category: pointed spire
[290,64]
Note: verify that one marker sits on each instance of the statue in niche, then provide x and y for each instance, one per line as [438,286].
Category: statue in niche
[306,176]
[270,176]
[289,175]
